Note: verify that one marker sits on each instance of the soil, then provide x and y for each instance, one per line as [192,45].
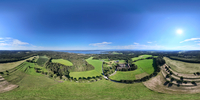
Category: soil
[6,86]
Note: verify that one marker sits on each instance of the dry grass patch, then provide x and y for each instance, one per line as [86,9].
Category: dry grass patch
[183,67]
[7,66]
[139,76]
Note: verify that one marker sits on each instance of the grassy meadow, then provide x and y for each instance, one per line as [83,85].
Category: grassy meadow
[96,72]
[34,85]
[62,61]
[183,67]
[10,65]
[141,57]
[144,66]
[42,60]
[116,53]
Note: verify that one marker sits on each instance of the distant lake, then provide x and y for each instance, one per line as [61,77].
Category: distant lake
[85,51]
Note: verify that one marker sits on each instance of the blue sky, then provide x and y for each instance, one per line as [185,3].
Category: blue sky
[99,24]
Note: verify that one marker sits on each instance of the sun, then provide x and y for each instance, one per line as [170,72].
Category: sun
[179,31]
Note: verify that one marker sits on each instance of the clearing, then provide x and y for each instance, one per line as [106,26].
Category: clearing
[96,72]
[62,61]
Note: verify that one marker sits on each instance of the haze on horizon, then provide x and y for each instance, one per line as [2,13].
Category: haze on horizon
[100,25]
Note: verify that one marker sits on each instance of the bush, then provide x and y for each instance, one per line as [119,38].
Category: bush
[181,77]
[167,76]
[172,79]
[54,76]
[193,82]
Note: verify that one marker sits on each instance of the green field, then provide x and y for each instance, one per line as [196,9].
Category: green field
[128,75]
[34,86]
[141,57]
[42,60]
[62,61]
[96,72]
[144,66]
[116,53]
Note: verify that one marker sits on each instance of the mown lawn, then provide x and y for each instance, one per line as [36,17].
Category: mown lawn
[62,61]
[96,72]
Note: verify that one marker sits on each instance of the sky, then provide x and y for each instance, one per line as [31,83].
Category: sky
[99,24]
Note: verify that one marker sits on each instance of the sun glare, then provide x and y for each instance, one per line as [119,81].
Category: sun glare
[179,31]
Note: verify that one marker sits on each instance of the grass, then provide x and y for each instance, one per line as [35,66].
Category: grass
[144,66]
[128,75]
[96,72]
[7,66]
[183,67]
[116,53]
[62,61]
[42,60]
[41,87]
[141,57]
[38,86]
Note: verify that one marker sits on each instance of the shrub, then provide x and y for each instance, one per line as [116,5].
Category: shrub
[170,72]
[181,77]
[193,82]
[54,76]
[167,76]
[172,79]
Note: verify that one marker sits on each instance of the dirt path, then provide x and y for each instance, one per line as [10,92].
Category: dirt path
[5,85]
[113,73]
[103,72]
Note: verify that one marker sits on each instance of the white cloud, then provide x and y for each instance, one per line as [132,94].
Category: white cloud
[1,38]
[192,39]
[140,47]
[18,42]
[149,42]
[2,41]
[136,43]
[100,44]
[3,44]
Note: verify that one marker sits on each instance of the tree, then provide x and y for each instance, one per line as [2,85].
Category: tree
[181,78]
